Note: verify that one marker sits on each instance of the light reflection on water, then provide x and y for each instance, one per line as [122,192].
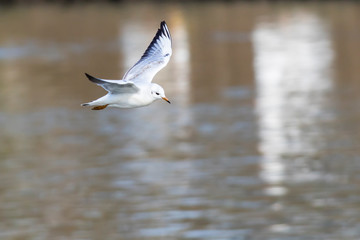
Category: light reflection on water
[293,58]
[259,142]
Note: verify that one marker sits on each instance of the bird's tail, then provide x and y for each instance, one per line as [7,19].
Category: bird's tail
[97,104]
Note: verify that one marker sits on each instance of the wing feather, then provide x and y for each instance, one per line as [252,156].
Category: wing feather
[114,86]
[156,57]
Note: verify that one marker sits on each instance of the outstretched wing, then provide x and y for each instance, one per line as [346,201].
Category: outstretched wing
[156,56]
[114,86]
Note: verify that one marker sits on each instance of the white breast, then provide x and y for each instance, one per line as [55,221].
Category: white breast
[138,99]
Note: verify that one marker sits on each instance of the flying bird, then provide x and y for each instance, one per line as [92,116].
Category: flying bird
[136,88]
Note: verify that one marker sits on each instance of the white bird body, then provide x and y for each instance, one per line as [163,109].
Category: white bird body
[136,89]
[126,100]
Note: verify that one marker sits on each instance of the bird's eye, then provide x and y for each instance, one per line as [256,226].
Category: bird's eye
[157,93]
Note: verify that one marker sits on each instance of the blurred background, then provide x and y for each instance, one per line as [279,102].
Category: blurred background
[261,141]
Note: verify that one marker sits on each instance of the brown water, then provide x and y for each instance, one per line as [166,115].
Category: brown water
[261,142]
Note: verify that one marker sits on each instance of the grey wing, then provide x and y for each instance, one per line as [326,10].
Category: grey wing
[156,56]
[114,86]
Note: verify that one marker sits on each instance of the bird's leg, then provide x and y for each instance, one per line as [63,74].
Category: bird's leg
[100,107]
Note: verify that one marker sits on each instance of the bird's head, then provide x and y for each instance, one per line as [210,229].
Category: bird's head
[158,92]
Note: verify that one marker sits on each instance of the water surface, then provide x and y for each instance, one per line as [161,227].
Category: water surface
[261,140]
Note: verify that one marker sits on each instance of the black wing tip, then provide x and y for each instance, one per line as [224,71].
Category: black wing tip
[88,75]
[164,29]
[91,78]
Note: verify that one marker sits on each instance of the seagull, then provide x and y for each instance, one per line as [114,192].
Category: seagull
[136,88]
